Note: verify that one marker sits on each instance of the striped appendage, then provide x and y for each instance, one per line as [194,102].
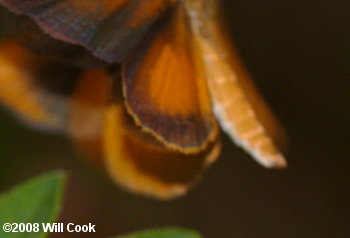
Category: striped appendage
[236,115]
[240,110]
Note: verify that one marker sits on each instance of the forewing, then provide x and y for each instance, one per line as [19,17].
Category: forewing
[109,29]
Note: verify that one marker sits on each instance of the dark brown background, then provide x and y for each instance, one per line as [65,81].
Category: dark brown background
[299,53]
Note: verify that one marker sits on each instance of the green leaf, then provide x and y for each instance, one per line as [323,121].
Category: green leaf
[36,201]
[164,233]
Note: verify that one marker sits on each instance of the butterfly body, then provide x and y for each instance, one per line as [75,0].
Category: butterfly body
[180,81]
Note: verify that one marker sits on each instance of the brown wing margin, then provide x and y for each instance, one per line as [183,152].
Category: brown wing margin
[138,163]
[109,29]
[165,89]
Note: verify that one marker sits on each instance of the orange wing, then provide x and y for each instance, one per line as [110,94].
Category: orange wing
[133,159]
[165,89]
[242,112]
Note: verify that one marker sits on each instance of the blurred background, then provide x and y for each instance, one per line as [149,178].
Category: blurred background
[299,54]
